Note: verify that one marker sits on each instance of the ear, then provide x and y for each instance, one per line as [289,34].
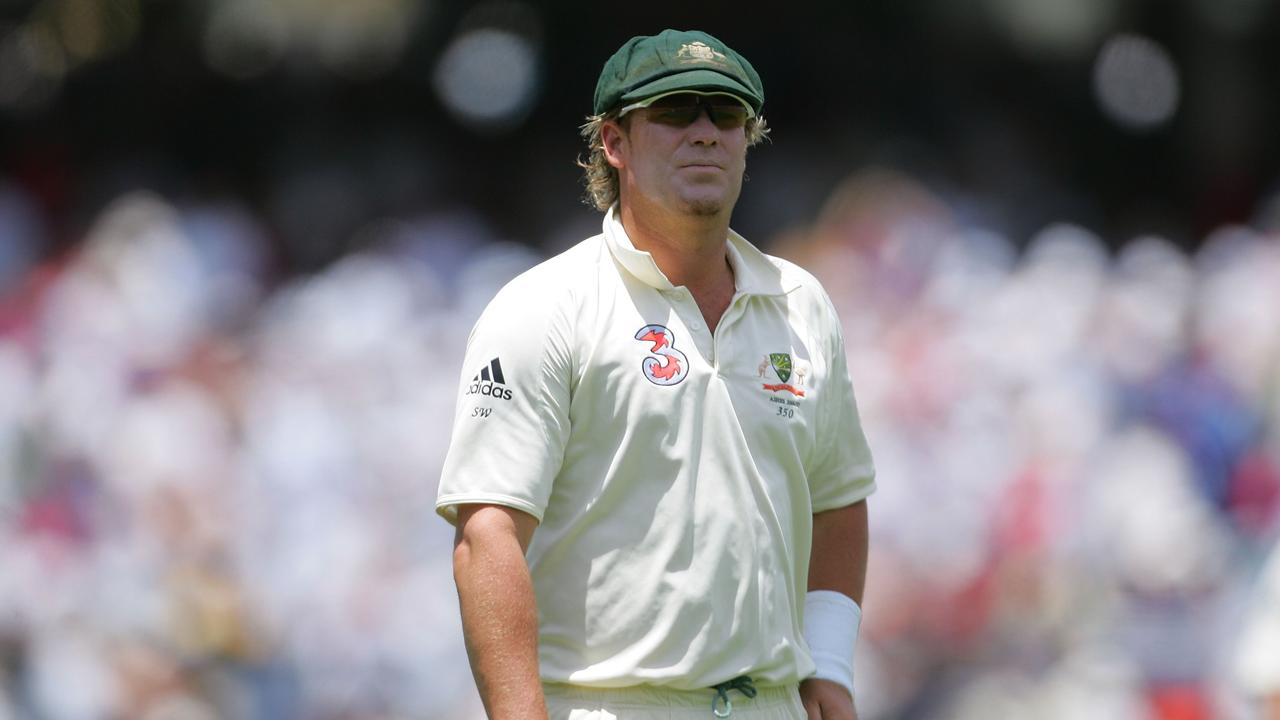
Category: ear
[614,139]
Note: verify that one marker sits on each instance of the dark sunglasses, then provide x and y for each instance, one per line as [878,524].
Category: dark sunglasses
[683,109]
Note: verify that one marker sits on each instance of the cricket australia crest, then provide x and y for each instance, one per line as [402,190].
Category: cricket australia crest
[784,369]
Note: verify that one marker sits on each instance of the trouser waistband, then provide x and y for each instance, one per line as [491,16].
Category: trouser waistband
[648,696]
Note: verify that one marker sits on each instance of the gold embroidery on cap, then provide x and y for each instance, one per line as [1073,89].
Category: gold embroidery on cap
[699,52]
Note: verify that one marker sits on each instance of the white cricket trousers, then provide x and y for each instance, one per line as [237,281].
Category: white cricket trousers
[572,702]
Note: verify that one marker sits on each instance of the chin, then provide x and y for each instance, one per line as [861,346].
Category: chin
[706,207]
[710,201]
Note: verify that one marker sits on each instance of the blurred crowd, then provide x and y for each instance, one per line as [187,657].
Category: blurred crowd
[1078,460]
[217,486]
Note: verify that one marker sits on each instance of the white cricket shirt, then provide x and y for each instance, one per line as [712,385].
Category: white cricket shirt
[674,472]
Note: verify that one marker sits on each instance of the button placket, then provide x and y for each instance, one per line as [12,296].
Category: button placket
[720,337]
[682,301]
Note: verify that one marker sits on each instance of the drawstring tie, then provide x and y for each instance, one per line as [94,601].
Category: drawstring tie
[741,683]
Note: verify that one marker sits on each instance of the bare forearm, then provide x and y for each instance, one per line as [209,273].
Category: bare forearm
[838,559]
[499,621]
[838,562]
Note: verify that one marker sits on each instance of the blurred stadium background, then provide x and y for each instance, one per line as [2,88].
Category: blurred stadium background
[242,243]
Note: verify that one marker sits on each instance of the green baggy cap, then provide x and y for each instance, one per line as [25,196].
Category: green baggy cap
[648,65]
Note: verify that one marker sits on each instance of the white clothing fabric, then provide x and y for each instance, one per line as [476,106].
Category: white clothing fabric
[674,472]
[565,702]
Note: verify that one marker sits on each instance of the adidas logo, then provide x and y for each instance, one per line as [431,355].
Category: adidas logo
[489,381]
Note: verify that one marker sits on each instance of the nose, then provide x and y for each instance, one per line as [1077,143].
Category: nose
[702,131]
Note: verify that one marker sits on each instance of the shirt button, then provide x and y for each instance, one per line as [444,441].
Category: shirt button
[695,326]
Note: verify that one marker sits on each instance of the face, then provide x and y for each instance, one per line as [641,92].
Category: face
[683,154]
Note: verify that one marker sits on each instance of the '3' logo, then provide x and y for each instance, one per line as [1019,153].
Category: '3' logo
[667,365]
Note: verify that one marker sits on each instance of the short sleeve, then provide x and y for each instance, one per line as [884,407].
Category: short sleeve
[841,470]
[512,417]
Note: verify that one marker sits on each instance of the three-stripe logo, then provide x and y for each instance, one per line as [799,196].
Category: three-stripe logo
[490,381]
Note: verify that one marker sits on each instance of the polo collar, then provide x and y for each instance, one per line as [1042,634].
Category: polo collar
[753,272]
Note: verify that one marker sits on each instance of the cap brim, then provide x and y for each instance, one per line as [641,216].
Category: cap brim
[693,80]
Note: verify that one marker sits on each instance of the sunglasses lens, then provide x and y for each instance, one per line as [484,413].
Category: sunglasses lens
[678,116]
[682,110]
[730,115]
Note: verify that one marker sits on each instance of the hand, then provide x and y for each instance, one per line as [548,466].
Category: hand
[826,700]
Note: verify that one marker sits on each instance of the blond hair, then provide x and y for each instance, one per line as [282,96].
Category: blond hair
[601,178]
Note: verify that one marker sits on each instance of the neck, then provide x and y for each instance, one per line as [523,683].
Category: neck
[690,251]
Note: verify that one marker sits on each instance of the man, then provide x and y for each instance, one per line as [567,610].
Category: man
[657,470]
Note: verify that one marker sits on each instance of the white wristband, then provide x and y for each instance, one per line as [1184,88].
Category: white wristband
[831,621]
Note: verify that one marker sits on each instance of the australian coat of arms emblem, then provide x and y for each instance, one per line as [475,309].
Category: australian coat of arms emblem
[784,370]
